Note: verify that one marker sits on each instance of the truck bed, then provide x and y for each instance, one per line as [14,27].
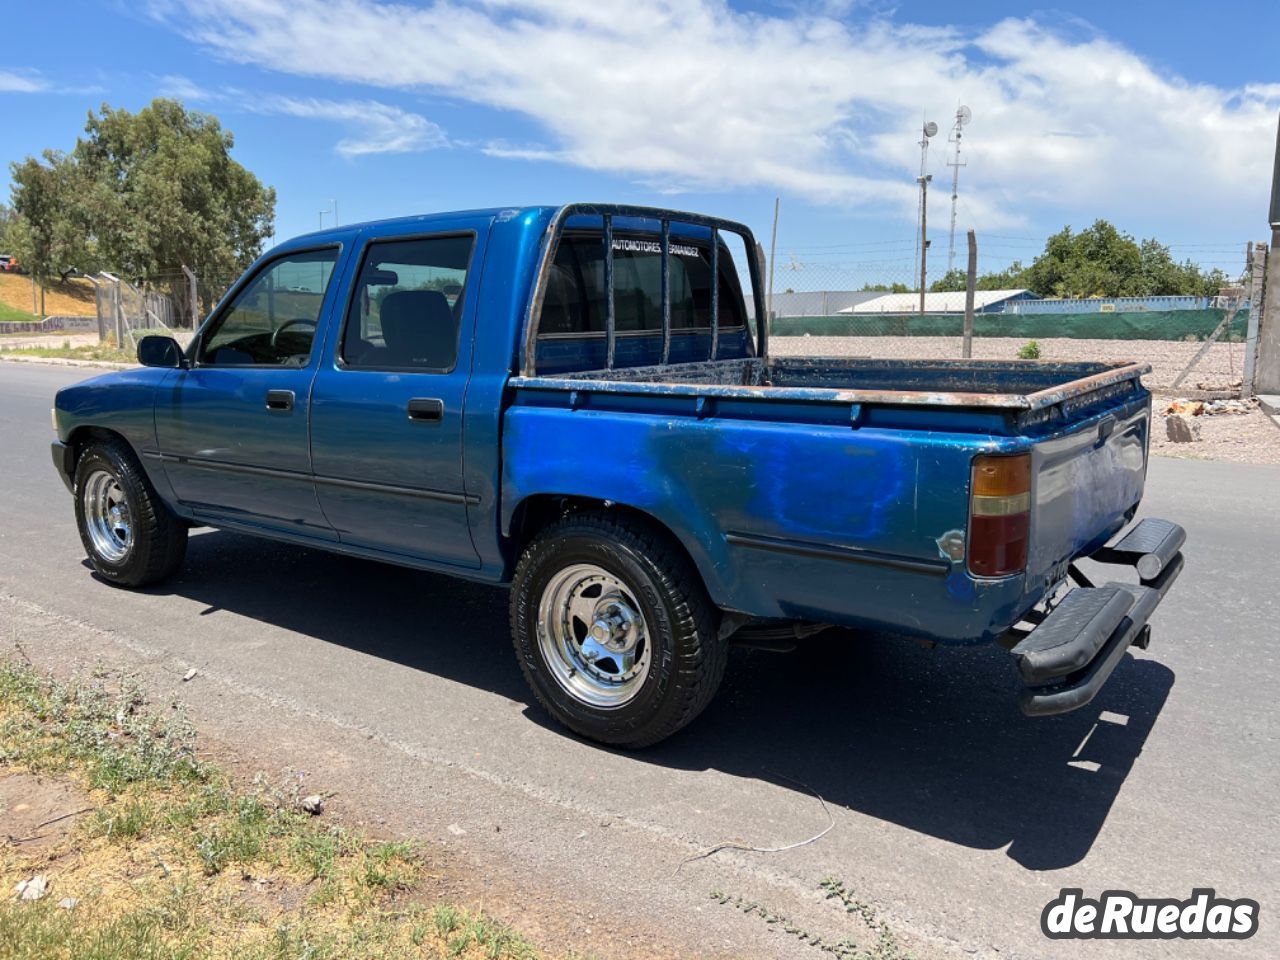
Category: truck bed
[852,463]
[1015,385]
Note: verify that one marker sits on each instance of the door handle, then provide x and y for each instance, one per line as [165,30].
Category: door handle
[281,400]
[426,409]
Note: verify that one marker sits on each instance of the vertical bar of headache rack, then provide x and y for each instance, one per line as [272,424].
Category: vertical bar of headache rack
[610,319]
[666,291]
[715,291]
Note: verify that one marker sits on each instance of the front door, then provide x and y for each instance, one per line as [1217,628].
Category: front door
[232,429]
[386,414]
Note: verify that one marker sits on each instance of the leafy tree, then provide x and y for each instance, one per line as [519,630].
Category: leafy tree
[143,194]
[1100,261]
[7,218]
[887,287]
[953,281]
[49,235]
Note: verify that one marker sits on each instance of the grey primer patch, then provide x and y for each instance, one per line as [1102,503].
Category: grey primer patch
[951,545]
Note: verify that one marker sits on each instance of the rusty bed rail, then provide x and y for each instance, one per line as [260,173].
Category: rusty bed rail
[753,383]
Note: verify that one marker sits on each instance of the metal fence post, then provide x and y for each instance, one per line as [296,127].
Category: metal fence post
[192,296]
[1257,281]
[970,286]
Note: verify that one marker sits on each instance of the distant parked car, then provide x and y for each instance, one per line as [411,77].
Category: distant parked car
[8,263]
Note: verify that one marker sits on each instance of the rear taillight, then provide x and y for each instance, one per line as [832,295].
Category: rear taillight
[999,515]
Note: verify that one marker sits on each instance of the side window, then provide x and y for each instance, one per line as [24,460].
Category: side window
[406,305]
[272,321]
[575,303]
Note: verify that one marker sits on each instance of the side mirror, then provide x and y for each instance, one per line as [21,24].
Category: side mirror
[156,351]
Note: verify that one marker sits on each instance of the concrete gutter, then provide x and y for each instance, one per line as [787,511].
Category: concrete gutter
[68,362]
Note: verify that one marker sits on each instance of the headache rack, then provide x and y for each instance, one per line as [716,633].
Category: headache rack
[608,212]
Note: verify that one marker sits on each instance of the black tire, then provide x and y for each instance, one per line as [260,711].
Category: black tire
[159,537]
[687,660]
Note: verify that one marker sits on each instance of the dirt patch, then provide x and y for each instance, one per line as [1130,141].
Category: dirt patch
[38,812]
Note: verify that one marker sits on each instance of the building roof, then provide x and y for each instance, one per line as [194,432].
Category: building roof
[951,302]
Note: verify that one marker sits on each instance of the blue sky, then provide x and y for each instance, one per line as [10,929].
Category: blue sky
[1166,125]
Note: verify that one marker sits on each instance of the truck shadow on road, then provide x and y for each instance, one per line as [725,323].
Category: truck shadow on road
[930,740]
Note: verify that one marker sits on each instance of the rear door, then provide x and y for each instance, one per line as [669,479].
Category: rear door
[386,414]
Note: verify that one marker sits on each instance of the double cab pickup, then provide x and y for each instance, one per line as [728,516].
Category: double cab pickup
[579,401]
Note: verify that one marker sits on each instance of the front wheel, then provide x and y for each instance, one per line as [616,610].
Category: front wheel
[131,537]
[614,631]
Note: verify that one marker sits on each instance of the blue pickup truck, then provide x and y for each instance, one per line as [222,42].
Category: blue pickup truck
[579,401]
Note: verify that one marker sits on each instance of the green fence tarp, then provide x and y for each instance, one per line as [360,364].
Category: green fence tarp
[1146,325]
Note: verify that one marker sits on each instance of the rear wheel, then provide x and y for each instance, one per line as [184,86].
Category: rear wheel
[614,631]
[132,539]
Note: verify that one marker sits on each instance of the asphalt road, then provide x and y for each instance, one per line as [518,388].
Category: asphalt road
[956,818]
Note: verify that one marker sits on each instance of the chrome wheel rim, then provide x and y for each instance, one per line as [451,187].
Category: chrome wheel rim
[593,637]
[107,516]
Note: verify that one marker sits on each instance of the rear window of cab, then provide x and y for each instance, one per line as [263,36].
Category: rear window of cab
[575,298]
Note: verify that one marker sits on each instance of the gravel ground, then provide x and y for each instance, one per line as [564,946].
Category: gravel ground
[1239,438]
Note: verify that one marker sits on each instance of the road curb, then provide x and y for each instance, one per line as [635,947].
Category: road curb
[69,362]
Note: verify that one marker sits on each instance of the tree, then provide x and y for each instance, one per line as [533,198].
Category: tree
[143,194]
[887,287]
[1101,261]
[7,218]
[166,192]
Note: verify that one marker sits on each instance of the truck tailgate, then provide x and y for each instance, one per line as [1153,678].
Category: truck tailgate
[1088,479]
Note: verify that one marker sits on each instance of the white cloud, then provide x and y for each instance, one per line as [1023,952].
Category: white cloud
[12,81]
[698,94]
[184,88]
[377,127]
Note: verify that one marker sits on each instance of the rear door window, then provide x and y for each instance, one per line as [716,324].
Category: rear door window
[406,304]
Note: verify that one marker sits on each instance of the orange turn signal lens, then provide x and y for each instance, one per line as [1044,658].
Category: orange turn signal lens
[1002,476]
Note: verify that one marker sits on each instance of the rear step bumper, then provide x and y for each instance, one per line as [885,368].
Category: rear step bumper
[1067,658]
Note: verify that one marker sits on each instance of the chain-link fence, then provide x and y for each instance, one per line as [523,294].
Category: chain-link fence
[171,303]
[865,301]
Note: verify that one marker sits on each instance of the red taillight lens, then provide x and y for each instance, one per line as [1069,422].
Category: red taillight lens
[999,515]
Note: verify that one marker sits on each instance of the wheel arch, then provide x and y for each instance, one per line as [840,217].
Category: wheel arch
[80,438]
[536,511]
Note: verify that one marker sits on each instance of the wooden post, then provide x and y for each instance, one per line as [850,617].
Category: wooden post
[970,286]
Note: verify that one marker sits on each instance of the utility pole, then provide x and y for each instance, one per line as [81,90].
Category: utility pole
[924,233]
[963,116]
[1267,364]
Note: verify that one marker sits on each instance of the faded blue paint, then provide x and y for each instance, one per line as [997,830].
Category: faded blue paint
[864,464]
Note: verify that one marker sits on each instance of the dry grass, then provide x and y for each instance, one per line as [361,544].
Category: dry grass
[75,298]
[64,350]
[167,857]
